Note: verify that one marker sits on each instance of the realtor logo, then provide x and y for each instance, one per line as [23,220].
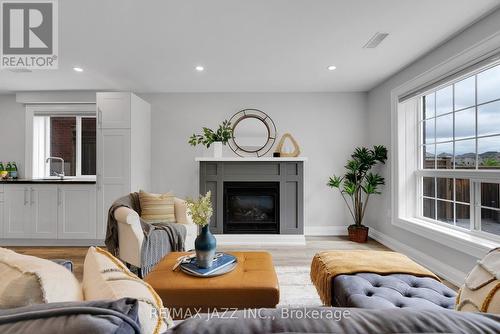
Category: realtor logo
[29,34]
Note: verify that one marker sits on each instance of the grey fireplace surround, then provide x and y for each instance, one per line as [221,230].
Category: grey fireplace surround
[288,173]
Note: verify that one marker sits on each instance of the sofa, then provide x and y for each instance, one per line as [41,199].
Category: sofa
[41,296]
[340,321]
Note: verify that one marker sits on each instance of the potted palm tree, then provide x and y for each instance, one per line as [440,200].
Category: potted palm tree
[357,184]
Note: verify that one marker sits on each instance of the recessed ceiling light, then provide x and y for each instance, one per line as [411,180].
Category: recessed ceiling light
[199,68]
[331,68]
[77,69]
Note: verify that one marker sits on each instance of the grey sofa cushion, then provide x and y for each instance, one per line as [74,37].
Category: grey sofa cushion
[359,321]
[391,291]
[96,317]
[68,264]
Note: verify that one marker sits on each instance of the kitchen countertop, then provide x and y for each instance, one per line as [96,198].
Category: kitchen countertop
[49,181]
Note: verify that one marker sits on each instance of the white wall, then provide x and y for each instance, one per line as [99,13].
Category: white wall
[327,127]
[12,131]
[379,131]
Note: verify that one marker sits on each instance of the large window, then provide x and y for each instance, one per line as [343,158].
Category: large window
[459,148]
[69,136]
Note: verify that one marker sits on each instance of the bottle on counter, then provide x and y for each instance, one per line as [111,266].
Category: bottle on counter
[13,173]
[3,172]
[8,168]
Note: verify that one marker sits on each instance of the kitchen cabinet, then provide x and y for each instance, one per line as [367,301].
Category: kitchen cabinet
[43,206]
[1,210]
[48,211]
[77,212]
[17,212]
[123,150]
[114,110]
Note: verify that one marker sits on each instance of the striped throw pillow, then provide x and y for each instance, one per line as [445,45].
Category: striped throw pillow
[157,207]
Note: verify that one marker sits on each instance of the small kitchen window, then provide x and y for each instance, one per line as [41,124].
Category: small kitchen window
[66,133]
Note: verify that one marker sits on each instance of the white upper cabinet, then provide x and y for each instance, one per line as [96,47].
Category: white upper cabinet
[113,110]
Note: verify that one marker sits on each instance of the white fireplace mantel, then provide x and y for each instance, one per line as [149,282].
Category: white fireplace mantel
[244,159]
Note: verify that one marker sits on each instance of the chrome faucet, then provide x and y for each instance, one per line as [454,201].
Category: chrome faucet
[61,175]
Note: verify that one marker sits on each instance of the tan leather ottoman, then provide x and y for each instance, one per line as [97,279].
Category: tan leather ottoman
[252,284]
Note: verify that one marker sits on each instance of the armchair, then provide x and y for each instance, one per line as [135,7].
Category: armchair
[130,235]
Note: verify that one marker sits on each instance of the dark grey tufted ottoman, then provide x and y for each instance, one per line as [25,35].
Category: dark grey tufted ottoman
[375,291]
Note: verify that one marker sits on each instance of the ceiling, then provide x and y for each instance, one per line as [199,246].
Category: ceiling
[245,46]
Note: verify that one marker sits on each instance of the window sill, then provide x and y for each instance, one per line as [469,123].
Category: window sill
[464,242]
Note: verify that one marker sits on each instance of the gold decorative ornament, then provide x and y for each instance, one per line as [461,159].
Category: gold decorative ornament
[281,144]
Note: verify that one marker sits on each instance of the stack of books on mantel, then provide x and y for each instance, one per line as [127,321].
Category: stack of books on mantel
[221,261]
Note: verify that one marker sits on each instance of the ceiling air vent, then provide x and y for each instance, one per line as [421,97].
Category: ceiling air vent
[375,40]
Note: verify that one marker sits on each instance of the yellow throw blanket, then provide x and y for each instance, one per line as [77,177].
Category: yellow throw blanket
[328,264]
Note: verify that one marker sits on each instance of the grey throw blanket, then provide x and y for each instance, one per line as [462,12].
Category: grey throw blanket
[159,238]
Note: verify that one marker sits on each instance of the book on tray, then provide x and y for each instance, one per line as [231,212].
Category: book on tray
[220,262]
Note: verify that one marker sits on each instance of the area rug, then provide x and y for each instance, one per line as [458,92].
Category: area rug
[296,288]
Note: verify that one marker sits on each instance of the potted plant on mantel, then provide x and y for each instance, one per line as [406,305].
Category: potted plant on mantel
[217,138]
[358,184]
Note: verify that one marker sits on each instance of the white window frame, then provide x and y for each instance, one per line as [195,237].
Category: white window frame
[404,164]
[60,110]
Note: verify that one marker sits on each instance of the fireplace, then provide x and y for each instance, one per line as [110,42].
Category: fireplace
[251,208]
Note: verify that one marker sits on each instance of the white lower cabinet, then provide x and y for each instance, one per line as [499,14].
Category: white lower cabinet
[43,204]
[17,213]
[48,211]
[77,212]
[1,210]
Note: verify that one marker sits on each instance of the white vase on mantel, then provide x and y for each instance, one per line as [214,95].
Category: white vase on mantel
[217,147]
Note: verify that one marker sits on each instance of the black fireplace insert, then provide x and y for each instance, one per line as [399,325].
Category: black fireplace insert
[251,207]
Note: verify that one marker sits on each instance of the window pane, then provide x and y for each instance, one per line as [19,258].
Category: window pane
[490,195]
[444,188]
[429,152]
[465,154]
[488,119]
[462,190]
[63,144]
[444,128]
[429,208]
[444,100]
[88,146]
[487,85]
[444,153]
[429,135]
[445,212]
[429,105]
[465,93]
[463,216]
[489,152]
[429,187]
[465,123]
[490,221]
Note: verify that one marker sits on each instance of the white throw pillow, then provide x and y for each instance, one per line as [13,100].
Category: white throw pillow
[105,277]
[27,280]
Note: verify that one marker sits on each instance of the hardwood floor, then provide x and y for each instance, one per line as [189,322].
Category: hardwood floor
[282,255]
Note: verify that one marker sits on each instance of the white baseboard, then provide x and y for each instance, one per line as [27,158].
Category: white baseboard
[50,242]
[259,239]
[443,270]
[325,230]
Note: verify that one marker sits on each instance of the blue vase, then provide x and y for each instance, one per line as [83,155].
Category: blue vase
[205,244]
